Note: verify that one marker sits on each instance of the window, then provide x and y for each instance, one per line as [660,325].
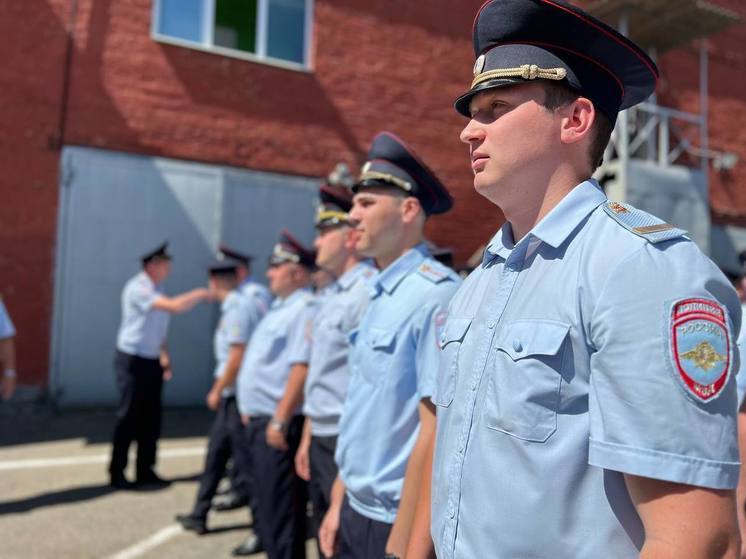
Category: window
[275,31]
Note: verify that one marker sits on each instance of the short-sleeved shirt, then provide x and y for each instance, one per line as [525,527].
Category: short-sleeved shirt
[583,352]
[393,362]
[339,313]
[281,340]
[143,329]
[7,330]
[257,293]
[239,316]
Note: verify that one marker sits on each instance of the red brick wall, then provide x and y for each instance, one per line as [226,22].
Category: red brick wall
[387,64]
[384,64]
[30,86]
[679,87]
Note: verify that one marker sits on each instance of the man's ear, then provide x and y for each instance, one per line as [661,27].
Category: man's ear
[411,209]
[350,238]
[577,120]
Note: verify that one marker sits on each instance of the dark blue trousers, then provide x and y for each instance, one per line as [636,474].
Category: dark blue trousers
[226,435]
[361,537]
[140,383]
[279,496]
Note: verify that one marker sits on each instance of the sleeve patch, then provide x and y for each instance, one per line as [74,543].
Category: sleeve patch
[641,223]
[700,347]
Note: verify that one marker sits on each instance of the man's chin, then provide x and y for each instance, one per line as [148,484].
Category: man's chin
[487,187]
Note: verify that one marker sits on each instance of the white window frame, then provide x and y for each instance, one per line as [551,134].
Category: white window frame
[262,16]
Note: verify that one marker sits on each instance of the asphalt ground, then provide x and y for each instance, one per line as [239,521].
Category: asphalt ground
[55,501]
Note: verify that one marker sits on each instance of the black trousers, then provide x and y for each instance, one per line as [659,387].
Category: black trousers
[279,495]
[361,537]
[323,474]
[226,435]
[138,418]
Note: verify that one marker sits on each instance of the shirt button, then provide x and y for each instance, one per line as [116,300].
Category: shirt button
[517,346]
[451,512]
[491,324]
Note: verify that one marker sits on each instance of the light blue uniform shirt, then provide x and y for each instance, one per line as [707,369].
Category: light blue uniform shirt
[143,329]
[393,363]
[281,340]
[257,293]
[7,330]
[339,313]
[562,368]
[239,315]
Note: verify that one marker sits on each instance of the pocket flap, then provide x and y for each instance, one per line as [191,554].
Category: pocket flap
[454,330]
[380,338]
[522,338]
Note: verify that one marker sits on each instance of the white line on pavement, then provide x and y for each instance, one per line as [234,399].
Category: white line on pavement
[95,459]
[142,547]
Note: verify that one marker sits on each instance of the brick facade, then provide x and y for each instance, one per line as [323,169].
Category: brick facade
[386,64]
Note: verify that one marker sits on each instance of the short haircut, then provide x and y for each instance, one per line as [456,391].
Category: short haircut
[558,95]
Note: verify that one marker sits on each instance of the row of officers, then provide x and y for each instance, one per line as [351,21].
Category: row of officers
[575,396]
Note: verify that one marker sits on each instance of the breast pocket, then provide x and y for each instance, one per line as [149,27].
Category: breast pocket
[380,346]
[451,341]
[525,382]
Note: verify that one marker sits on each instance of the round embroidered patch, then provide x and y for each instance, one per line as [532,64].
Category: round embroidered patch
[700,347]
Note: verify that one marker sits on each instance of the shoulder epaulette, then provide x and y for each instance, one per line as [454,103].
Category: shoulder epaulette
[429,271]
[641,223]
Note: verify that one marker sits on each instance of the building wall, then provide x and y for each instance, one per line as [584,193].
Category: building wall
[679,88]
[30,97]
[384,64]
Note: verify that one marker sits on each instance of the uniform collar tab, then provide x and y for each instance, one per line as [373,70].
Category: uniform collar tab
[392,276]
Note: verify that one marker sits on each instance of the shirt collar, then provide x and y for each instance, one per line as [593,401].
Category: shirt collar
[297,294]
[147,279]
[352,275]
[389,278]
[556,226]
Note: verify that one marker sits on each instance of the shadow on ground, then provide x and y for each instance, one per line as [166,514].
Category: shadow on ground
[77,495]
[42,423]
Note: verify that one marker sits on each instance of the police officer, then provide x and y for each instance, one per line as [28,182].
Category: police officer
[142,362]
[586,392]
[387,417]
[7,353]
[248,286]
[269,392]
[239,316]
[259,298]
[338,314]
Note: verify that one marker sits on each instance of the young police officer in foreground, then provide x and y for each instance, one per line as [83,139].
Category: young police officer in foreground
[586,399]
[388,418]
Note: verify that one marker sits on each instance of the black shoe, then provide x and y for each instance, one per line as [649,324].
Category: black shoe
[151,479]
[120,482]
[250,546]
[192,523]
[230,501]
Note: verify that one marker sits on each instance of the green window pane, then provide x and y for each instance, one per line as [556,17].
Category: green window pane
[235,24]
